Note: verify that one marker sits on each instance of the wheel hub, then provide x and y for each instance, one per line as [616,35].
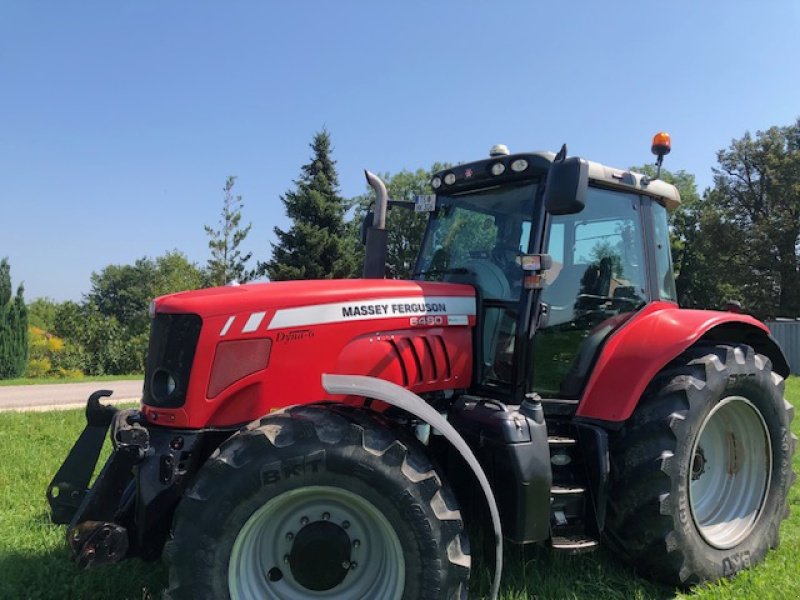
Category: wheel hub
[320,556]
[319,541]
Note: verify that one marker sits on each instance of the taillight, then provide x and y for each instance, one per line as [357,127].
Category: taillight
[237,359]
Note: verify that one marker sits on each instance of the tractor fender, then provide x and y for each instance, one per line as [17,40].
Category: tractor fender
[645,344]
[379,389]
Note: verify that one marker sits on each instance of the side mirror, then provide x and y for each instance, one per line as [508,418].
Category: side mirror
[567,184]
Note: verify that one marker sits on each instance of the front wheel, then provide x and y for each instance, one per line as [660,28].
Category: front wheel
[702,470]
[321,502]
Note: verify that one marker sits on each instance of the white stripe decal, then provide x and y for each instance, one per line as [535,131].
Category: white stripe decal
[227,326]
[382,308]
[253,322]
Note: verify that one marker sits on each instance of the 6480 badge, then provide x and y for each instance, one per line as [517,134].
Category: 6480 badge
[426,321]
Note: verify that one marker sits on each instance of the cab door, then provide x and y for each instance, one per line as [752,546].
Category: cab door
[599,278]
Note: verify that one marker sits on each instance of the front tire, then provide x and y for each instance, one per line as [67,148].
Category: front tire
[319,501]
[702,470]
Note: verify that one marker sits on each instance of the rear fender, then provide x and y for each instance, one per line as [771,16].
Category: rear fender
[636,352]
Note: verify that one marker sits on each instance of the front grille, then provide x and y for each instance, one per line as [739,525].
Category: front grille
[173,340]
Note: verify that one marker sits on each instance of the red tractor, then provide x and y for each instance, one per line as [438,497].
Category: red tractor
[332,439]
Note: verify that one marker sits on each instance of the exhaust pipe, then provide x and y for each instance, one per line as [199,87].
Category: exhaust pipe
[375,256]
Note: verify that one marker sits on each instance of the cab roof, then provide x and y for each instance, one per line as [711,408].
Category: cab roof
[475,174]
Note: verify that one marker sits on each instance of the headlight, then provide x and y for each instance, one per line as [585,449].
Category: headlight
[519,165]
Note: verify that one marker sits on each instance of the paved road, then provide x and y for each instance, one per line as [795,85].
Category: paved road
[65,395]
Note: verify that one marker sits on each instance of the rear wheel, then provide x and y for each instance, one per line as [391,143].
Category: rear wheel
[318,501]
[701,471]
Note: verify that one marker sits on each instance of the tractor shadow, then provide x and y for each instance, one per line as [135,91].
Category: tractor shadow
[50,574]
[537,572]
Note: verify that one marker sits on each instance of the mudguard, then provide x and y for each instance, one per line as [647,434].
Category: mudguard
[638,350]
[379,389]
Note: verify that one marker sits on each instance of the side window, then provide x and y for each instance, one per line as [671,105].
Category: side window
[555,246]
[666,277]
[598,274]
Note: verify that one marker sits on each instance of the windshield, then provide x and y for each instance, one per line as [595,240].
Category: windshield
[477,238]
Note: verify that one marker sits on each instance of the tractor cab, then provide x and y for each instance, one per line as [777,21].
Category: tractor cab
[603,234]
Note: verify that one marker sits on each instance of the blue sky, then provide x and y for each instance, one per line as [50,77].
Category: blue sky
[119,121]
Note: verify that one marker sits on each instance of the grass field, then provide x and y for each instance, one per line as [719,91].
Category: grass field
[34,562]
[46,380]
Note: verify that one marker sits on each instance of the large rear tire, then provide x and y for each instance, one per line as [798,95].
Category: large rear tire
[319,501]
[701,471]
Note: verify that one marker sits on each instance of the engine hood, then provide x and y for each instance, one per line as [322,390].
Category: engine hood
[288,294]
[263,346]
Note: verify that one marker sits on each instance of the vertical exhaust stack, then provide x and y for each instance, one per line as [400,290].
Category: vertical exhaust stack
[375,256]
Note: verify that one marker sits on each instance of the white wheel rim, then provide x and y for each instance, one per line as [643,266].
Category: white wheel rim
[267,563]
[729,472]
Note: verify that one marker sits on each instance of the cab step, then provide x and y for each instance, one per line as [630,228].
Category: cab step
[566,490]
[560,440]
[574,544]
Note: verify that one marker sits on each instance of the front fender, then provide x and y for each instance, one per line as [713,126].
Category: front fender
[372,387]
[641,348]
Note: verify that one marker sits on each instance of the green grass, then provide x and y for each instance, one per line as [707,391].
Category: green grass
[34,562]
[80,379]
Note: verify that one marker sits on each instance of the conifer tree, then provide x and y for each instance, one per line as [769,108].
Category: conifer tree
[13,327]
[315,246]
[227,263]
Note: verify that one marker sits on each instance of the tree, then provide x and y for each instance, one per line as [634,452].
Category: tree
[315,246]
[124,291]
[757,196]
[404,227]
[42,313]
[174,273]
[98,344]
[110,327]
[227,262]
[13,326]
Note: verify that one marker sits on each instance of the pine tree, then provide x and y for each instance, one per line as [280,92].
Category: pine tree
[227,263]
[13,327]
[315,246]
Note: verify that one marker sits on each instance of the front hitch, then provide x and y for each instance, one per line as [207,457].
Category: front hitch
[70,484]
[128,509]
[93,514]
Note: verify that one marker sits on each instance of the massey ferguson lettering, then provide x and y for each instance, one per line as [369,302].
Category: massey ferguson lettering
[409,308]
[365,310]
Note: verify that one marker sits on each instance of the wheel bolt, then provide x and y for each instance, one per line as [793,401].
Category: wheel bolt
[326,516]
[304,521]
[353,565]
[346,564]
[345,524]
[289,536]
[286,558]
[356,543]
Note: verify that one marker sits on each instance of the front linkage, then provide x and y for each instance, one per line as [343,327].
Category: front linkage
[128,510]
